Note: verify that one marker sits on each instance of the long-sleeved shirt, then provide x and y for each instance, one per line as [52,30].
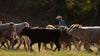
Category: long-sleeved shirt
[61,22]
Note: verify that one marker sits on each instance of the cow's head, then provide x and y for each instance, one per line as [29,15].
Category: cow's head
[73,28]
[13,26]
[26,24]
[25,31]
[11,29]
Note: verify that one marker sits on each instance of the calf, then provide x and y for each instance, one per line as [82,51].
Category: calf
[42,35]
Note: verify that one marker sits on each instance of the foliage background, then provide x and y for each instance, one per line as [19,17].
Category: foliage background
[43,12]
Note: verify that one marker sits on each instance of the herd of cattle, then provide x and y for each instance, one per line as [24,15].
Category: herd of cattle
[11,33]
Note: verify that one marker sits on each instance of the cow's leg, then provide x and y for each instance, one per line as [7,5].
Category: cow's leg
[28,42]
[75,44]
[31,46]
[63,45]
[15,42]
[57,46]
[66,46]
[24,42]
[87,47]
[39,46]
[51,44]
[20,42]
[69,44]
[80,44]
[43,46]
[8,44]
[12,43]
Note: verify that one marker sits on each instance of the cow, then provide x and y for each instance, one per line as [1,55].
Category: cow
[65,37]
[51,43]
[42,35]
[19,28]
[87,35]
[6,33]
[44,44]
[50,27]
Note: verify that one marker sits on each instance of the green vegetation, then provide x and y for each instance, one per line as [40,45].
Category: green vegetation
[22,52]
[43,12]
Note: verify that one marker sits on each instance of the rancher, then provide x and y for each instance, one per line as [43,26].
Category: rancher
[61,21]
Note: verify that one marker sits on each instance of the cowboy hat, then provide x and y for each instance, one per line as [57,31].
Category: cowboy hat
[58,17]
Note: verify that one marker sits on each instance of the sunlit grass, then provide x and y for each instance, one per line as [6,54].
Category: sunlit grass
[22,52]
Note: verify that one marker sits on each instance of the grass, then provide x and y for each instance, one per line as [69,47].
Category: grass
[22,52]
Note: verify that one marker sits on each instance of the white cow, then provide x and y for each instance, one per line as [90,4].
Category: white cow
[87,35]
[50,27]
[7,33]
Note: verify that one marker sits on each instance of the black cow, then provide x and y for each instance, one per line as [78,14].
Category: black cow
[42,35]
